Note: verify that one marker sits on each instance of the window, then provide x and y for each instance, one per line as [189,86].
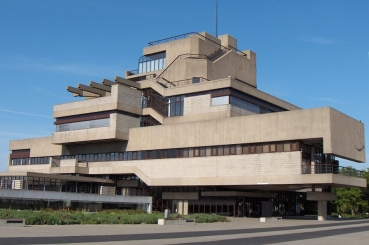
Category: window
[153,154]
[214,150]
[196,152]
[259,149]
[232,150]
[195,80]
[266,148]
[226,150]
[245,149]
[134,155]
[83,125]
[179,152]
[273,147]
[143,155]
[152,62]
[185,152]
[174,153]
[176,105]
[202,152]
[222,100]
[166,153]
[244,105]
[220,150]
[280,147]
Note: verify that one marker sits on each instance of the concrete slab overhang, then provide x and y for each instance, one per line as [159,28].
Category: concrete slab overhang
[341,135]
[186,177]
[236,194]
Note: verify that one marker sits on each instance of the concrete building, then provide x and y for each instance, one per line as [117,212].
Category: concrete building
[191,130]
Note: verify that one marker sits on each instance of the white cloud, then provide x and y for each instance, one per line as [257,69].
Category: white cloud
[326,99]
[319,40]
[48,92]
[25,113]
[21,62]
[17,135]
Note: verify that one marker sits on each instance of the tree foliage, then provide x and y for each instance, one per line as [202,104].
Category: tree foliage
[353,199]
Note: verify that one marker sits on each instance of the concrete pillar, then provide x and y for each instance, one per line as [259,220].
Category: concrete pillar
[149,208]
[180,207]
[185,207]
[312,160]
[322,210]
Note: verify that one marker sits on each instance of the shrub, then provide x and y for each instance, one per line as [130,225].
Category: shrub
[68,217]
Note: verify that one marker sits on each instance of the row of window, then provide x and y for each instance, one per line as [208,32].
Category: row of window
[81,116]
[263,104]
[222,150]
[98,123]
[189,152]
[22,150]
[30,160]
[247,106]
[151,62]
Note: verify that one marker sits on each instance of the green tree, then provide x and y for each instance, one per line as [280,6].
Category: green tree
[350,199]
[365,174]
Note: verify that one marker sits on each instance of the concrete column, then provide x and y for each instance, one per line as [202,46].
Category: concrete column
[185,207]
[180,207]
[322,210]
[312,160]
[149,208]
[9,163]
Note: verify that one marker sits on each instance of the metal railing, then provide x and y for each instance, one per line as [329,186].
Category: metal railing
[183,82]
[330,169]
[182,36]
[133,72]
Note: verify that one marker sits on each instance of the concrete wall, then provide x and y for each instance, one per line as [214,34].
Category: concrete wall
[39,168]
[198,170]
[90,134]
[102,147]
[118,129]
[347,136]
[218,84]
[230,64]
[124,123]
[267,170]
[122,98]
[191,45]
[281,126]
[39,146]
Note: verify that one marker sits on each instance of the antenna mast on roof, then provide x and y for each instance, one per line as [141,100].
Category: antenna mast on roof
[216,18]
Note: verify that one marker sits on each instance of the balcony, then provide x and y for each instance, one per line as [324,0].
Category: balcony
[115,128]
[331,169]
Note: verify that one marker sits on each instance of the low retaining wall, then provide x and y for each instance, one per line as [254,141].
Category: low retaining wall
[12,222]
[268,219]
[175,222]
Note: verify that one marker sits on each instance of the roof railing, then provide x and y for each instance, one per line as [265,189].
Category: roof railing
[182,36]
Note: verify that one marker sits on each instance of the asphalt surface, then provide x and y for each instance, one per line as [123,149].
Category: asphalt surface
[240,231]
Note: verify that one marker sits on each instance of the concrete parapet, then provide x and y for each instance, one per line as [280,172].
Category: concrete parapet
[269,219]
[12,222]
[175,222]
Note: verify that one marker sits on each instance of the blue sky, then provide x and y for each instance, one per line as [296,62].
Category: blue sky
[309,53]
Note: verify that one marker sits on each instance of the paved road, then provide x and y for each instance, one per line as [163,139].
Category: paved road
[240,231]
